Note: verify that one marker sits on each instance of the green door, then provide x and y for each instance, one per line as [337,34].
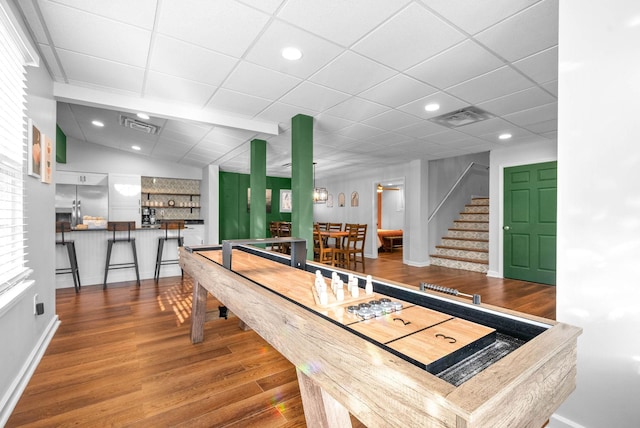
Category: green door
[530,222]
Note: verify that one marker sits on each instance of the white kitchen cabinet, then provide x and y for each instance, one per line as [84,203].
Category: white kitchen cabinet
[124,198]
[193,235]
[81,178]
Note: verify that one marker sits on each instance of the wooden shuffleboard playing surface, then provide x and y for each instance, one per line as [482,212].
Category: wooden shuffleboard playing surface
[427,338]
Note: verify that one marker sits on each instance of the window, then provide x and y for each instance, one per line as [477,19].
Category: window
[13,133]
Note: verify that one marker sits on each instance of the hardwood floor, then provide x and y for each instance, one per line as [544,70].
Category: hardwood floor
[122,357]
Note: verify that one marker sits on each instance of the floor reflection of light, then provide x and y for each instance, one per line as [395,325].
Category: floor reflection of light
[179,303]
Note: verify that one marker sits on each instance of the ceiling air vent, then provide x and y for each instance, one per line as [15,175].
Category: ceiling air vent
[461,117]
[137,125]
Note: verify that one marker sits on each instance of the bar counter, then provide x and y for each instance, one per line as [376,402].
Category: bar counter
[91,250]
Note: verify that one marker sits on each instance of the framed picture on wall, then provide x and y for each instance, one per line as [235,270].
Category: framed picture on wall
[341,199]
[47,154]
[34,149]
[329,200]
[267,200]
[285,200]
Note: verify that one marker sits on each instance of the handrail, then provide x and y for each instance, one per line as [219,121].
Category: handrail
[453,188]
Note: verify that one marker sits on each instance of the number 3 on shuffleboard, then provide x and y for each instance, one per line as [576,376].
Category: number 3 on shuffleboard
[447,338]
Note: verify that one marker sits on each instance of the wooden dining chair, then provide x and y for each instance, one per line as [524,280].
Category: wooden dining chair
[284,231]
[325,254]
[352,250]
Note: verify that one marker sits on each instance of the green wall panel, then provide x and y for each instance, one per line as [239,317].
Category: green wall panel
[234,215]
[61,146]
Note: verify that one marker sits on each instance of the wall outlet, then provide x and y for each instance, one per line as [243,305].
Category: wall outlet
[38,307]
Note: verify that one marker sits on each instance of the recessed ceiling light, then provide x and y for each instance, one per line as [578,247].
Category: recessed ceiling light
[135,147]
[143,116]
[504,136]
[291,53]
[432,107]
[97,123]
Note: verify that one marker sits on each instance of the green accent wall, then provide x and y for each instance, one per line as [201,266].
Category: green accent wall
[234,217]
[258,185]
[61,146]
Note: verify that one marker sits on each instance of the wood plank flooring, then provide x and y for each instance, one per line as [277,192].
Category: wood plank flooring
[122,357]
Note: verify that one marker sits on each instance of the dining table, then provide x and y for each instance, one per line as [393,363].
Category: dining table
[337,235]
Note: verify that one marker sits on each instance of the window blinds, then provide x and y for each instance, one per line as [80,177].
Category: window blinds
[13,132]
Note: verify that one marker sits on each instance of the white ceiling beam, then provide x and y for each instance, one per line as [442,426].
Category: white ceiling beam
[95,98]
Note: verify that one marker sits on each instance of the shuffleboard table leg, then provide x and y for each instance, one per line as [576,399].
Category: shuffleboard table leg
[320,408]
[198,312]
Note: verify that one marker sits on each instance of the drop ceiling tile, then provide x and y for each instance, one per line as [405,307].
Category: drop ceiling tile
[473,16]
[552,87]
[447,104]
[517,134]
[169,56]
[262,82]
[495,84]
[391,120]
[325,123]
[356,109]
[237,102]
[456,65]
[544,127]
[282,113]
[389,139]
[140,13]
[518,101]
[541,67]
[314,97]
[446,137]
[223,25]
[69,28]
[352,73]
[421,129]
[410,37]
[397,91]
[534,115]
[171,88]
[342,25]
[359,131]
[494,126]
[316,52]
[268,6]
[530,31]
[91,71]
[333,141]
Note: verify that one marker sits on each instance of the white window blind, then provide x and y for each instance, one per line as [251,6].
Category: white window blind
[13,135]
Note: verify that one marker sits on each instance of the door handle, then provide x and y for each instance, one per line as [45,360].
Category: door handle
[506,227]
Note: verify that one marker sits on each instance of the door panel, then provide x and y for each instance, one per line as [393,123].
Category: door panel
[530,201]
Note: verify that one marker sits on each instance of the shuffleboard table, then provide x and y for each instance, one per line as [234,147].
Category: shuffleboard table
[420,360]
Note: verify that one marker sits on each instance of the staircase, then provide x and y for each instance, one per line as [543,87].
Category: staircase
[466,245]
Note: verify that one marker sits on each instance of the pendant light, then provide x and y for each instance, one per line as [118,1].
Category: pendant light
[320,194]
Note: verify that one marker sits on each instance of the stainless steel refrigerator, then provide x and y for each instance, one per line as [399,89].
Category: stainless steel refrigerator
[73,202]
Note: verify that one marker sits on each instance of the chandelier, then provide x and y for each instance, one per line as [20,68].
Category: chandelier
[320,194]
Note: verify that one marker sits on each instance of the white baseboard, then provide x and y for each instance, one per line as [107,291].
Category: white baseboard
[557,421]
[494,274]
[19,384]
[416,264]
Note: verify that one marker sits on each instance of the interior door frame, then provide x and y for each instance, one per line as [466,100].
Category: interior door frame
[501,206]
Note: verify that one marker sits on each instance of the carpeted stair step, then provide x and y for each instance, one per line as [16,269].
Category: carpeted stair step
[455,263]
[480,244]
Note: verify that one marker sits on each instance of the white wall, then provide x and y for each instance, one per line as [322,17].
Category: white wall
[599,208]
[543,151]
[364,182]
[23,335]
[88,157]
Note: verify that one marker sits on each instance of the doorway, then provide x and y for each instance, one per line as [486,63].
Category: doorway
[529,226]
[390,208]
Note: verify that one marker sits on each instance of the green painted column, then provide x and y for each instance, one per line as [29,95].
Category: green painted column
[258,186]
[302,179]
